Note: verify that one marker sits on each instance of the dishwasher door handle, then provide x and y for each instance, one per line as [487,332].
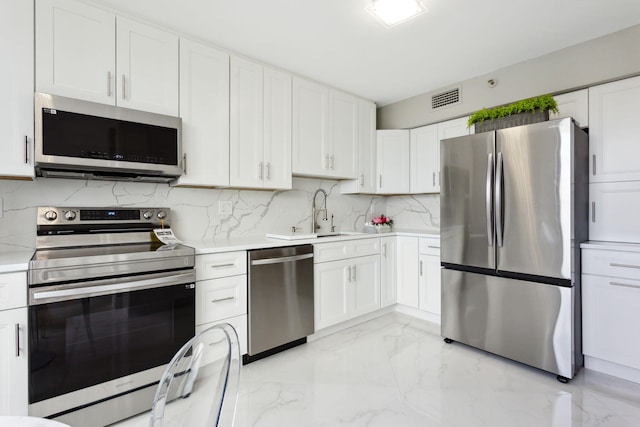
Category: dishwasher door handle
[280,260]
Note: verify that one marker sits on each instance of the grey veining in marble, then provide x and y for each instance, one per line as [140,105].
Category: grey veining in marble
[397,371]
[420,211]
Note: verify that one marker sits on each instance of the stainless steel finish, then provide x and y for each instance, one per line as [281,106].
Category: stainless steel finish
[260,167]
[349,274]
[184,163]
[70,215]
[50,215]
[314,225]
[108,83]
[326,161]
[280,260]
[26,149]
[223,299]
[55,293]
[531,276]
[420,268]
[268,171]
[361,179]
[499,203]
[434,179]
[593,211]
[380,180]
[525,321]
[594,164]
[280,297]
[625,285]
[70,167]
[332,162]
[489,199]
[615,264]
[17,340]
[124,96]
[433,247]
[355,269]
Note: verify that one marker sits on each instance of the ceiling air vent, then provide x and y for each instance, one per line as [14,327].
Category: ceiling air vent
[445,98]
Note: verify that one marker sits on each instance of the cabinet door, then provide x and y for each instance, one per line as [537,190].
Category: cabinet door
[408,271]
[330,295]
[453,128]
[16,86]
[246,164]
[613,211]
[310,126]
[610,317]
[13,362]
[365,284]
[75,51]
[573,104]
[204,109]
[425,160]
[277,129]
[614,109]
[429,284]
[147,67]
[365,183]
[388,271]
[393,161]
[343,135]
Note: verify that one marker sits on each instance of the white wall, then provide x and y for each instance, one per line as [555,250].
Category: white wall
[603,59]
[195,211]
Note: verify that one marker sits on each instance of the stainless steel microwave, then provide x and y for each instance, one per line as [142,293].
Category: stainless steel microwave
[80,139]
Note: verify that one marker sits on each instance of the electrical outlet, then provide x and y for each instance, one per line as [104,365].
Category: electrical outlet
[225,207]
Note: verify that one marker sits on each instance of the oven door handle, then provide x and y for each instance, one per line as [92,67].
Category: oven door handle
[49,294]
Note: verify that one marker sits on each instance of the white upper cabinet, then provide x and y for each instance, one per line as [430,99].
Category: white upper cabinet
[16,86]
[204,109]
[260,138]
[393,161]
[325,131]
[614,109]
[366,181]
[425,160]
[573,104]
[86,53]
[147,66]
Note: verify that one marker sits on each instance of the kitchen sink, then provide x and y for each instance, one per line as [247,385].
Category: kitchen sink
[300,236]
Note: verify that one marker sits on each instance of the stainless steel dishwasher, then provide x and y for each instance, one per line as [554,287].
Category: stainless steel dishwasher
[280,299]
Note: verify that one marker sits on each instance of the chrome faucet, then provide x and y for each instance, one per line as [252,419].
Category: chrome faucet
[315,226]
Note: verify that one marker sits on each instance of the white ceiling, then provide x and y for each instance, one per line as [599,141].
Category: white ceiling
[339,43]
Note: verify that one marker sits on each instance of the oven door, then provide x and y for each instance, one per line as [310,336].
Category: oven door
[93,340]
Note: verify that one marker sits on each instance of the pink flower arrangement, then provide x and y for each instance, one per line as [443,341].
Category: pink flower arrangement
[382,220]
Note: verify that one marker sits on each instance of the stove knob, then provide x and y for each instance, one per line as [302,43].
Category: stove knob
[70,215]
[50,215]
[147,214]
[162,215]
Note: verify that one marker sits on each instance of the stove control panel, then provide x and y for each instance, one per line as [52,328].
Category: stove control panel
[52,216]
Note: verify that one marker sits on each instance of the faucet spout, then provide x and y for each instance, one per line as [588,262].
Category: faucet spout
[314,225]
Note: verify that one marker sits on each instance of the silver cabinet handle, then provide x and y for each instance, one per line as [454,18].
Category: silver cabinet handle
[349,276]
[268,171]
[380,181]
[362,179]
[124,81]
[17,340]
[625,285]
[326,161]
[615,264]
[281,260]
[332,161]
[384,250]
[489,199]
[184,163]
[260,168]
[109,83]
[222,299]
[420,268]
[434,179]
[433,247]
[594,163]
[229,264]
[26,149]
[593,211]
[499,201]
[354,273]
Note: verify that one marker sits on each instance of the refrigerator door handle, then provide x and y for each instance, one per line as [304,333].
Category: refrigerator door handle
[498,190]
[489,199]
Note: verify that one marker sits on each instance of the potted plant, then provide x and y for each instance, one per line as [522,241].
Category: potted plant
[526,111]
[382,223]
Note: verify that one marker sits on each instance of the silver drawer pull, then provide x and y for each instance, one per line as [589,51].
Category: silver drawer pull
[433,247]
[230,264]
[17,340]
[615,264]
[625,285]
[222,299]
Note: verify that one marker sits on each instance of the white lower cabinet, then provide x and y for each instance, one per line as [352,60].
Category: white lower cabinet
[429,287]
[388,271]
[221,292]
[610,315]
[408,271]
[345,287]
[14,368]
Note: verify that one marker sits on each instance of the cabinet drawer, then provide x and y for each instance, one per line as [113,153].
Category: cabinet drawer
[211,266]
[611,263]
[610,317]
[13,290]
[217,299]
[429,246]
[323,252]
[239,323]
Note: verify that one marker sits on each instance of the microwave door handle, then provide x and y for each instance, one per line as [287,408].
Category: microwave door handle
[499,200]
[489,200]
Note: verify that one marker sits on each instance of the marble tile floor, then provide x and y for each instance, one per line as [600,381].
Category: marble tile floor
[397,371]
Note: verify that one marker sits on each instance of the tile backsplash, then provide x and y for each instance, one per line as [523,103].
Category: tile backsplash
[196,211]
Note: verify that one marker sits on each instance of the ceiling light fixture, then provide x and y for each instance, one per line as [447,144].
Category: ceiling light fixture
[394,12]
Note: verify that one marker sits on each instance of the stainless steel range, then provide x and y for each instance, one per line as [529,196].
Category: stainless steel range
[109,305]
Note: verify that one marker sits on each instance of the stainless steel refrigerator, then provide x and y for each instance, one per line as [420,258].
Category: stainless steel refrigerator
[514,210]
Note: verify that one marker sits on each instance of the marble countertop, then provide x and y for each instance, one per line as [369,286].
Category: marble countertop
[611,246]
[261,242]
[12,259]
